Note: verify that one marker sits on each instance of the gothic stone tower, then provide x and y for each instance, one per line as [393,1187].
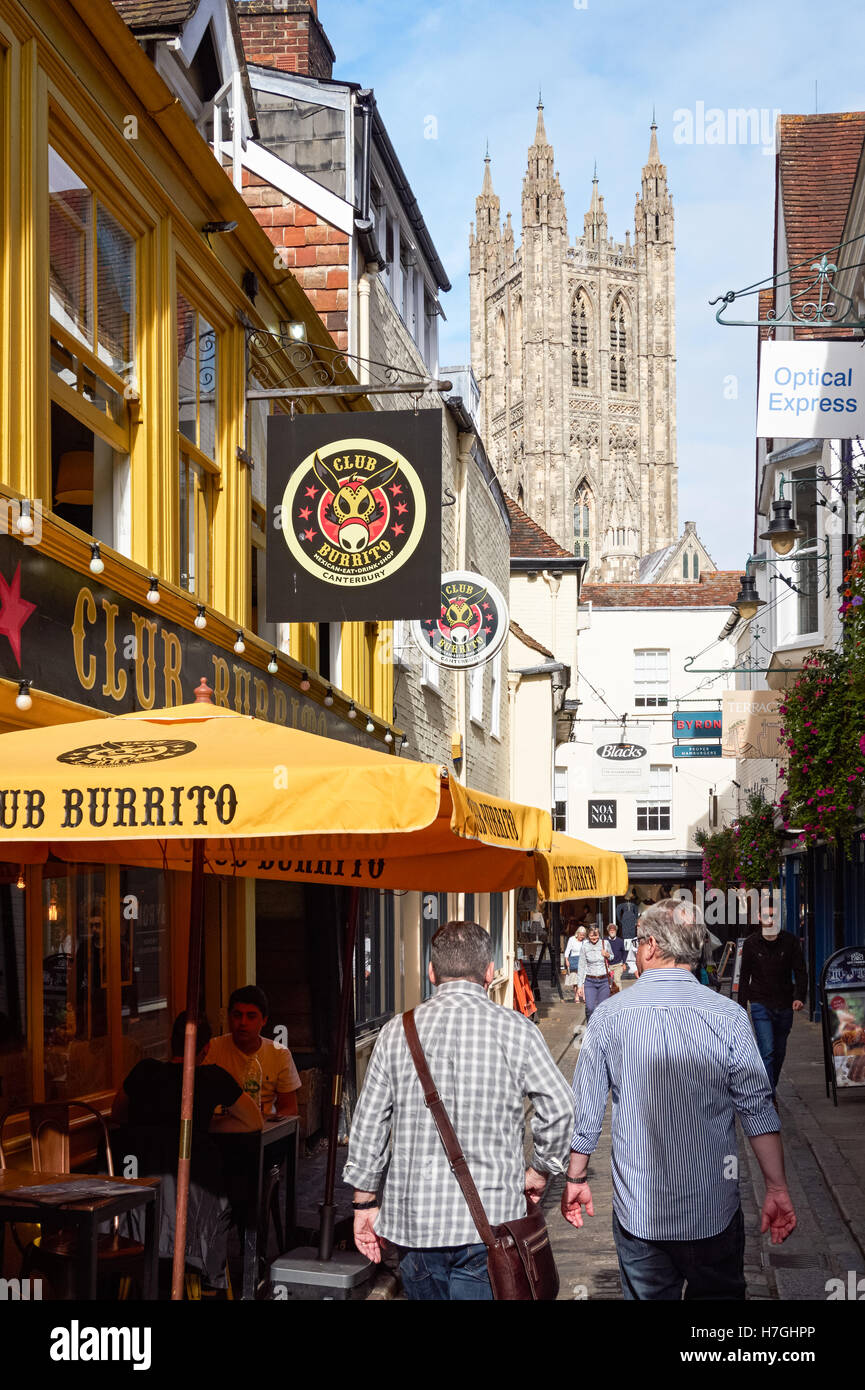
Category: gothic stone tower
[574,350]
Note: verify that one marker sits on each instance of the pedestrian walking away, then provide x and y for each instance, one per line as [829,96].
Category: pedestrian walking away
[681,1063]
[592,977]
[774,981]
[618,954]
[485,1061]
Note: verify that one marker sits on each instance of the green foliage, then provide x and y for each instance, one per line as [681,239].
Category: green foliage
[744,854]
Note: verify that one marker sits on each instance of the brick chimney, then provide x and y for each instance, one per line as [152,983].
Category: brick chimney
[285,34]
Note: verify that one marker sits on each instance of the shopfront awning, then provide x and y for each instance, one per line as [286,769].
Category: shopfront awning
[273,802]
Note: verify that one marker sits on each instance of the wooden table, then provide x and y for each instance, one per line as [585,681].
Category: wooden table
[252,1155]
[86,1215]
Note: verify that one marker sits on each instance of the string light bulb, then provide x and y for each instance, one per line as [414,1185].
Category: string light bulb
[271,665]
[97,564]
[22,882]
[388,738]
[328,696]
[24,524]
[240,645]
[23,700]
[304,681]
[200,619]
[352,710]
[153,589]
[370,727]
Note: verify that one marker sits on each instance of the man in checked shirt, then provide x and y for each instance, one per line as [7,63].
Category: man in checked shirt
[485,1061]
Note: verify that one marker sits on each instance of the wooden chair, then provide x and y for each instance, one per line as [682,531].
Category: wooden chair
[54,1252]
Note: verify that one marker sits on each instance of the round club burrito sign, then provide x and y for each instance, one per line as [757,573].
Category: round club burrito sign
[471,625]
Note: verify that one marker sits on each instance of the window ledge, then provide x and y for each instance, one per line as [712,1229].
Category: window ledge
[478,722]
[430,685]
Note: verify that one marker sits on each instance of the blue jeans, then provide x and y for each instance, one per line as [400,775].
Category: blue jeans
[712,1268]
[446,1272]
[597,989]
[771,1029]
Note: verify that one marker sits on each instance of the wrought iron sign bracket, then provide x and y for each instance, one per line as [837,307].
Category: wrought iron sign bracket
[272,354]
[812,299]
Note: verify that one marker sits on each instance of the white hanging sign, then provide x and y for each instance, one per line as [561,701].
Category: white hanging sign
[811,390]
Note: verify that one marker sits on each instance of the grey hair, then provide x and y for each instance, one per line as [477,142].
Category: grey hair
[678,929]
[461,951]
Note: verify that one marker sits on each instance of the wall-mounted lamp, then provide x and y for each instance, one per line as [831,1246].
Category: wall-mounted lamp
[747,601]
[782,531]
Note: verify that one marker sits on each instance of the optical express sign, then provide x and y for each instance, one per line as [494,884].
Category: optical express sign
[811,390]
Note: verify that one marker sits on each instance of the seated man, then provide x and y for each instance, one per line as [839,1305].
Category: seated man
[263,1068]
[147,1107]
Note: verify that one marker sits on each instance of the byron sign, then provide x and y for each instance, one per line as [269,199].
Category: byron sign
[698,723]
[355,510]
[470,626]
[811,390]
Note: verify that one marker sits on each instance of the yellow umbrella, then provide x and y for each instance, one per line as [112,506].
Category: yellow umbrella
[200,787]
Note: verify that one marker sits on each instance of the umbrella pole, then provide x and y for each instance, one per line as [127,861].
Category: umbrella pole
[190,1049]
[325,1235]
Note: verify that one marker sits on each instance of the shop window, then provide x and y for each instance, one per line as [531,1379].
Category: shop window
[655,813]
[75,981]
[807,576]
[374,959]
[197,382]
[145,954]
[92,289]
[651,678]
[15,1078]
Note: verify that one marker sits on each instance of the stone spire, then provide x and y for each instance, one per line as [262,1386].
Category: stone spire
[543,201]
[487,208]
[595,220]
[654,212]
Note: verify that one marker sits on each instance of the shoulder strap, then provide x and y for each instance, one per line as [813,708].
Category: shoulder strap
[447,1134]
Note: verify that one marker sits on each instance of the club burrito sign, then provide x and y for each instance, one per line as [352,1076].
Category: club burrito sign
[471,625]
[356,516]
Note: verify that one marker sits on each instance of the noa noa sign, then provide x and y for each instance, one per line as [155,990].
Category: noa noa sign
[813,390]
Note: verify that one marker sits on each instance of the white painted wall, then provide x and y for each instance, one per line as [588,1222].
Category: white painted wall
[606,660]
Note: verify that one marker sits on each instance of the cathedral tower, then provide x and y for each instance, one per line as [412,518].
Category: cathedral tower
[574,350]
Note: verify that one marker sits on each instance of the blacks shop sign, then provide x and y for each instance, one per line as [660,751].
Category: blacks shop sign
[79,640]
[355,508]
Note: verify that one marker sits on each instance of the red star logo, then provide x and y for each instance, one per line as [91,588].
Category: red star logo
[402,507]
[396,490]
[488,630]
[308,535]
[398,530]
[311,491]
[487,607]
[304,513]
[14,611]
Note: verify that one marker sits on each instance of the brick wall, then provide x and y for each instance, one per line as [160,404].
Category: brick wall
[285,35]
[314,251]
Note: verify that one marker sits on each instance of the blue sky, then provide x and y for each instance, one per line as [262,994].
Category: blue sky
[476,69]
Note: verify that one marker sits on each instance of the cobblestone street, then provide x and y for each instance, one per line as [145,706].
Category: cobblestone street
[825,1168]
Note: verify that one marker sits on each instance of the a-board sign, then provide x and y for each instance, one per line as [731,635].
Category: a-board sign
[842,990]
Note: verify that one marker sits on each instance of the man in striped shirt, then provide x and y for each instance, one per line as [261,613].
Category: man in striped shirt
[681,1063]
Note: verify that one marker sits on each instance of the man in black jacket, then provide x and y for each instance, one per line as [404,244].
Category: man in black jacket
[774,981]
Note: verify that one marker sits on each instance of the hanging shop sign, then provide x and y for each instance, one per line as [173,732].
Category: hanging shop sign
[696,750]
[842,992]
[699,723]
[355,509]
[471,625]
[752,724]
[620,761]
[811,390]
[602,815]
[84,642]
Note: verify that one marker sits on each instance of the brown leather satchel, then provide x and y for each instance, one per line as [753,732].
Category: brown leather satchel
[520,1258]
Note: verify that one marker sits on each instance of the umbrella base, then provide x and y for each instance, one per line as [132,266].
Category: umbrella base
[301,1275]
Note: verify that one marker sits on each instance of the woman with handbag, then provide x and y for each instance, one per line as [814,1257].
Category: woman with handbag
[593,974]
[572,959]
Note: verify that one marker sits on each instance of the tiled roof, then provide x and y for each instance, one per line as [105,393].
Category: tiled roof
[650,565]
[818,159]
[529,541]
[716,590]
[155,16]
[531,642]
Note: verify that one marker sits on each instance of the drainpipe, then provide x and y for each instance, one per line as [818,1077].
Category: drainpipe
[553,584]
[363,289]
[465,444]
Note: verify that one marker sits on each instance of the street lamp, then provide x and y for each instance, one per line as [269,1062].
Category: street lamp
[747,601]
[782,531]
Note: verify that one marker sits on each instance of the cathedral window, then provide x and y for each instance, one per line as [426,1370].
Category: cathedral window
[685,565]
[618,347]
[579,342]
[579,369]
[583,523]
[695,567]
